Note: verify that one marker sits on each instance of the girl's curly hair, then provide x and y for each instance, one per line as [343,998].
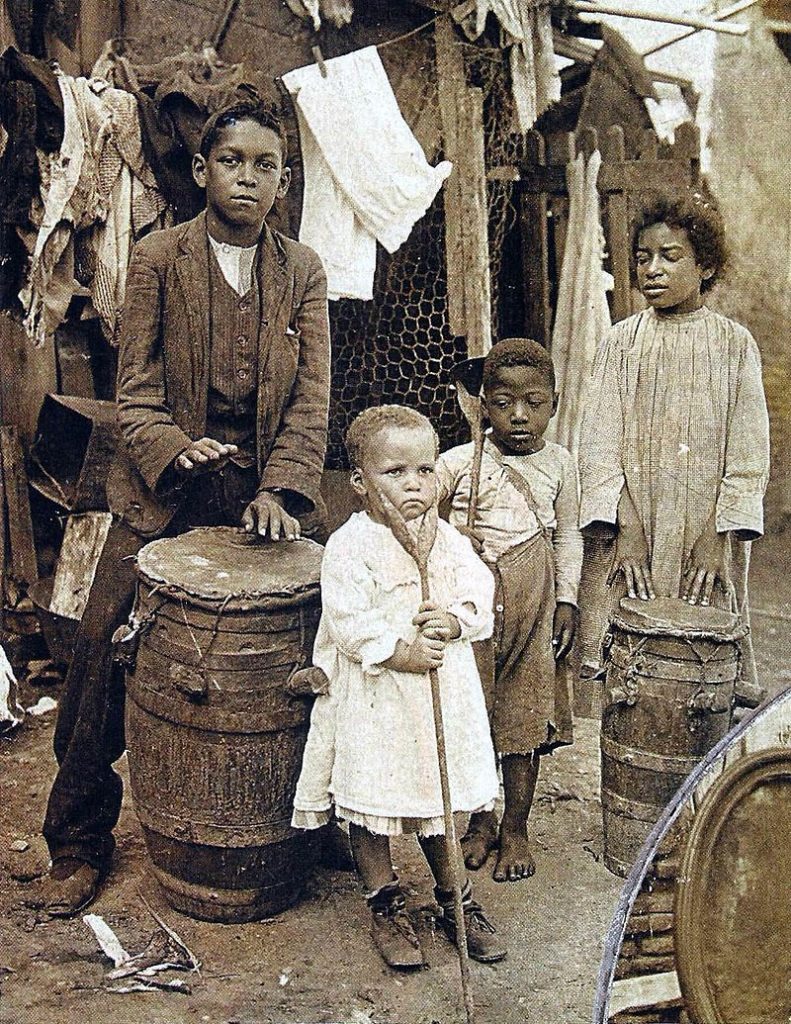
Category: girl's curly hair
[695,211]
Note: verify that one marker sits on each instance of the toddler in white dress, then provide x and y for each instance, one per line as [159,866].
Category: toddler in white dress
[371,753]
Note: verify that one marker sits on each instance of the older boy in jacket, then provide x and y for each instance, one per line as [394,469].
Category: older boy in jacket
[223,386]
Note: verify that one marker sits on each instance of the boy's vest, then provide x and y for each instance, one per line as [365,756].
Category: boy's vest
[233,365]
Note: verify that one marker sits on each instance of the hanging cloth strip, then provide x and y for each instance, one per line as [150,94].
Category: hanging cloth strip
[582,316]
[366,176]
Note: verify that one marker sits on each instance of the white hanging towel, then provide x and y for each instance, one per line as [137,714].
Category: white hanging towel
[582,317]
[366,176]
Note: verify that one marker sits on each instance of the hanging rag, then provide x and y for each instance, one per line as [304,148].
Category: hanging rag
[98,185]
[582,315]
[526,30]
[582,319]
[366,176]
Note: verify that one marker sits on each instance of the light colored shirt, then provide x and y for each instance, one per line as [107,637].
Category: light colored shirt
[676,410]
[503,515]
[236,263]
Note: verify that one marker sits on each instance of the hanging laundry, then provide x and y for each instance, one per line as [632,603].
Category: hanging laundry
[526,28]
[366,177]
[100,184]
[582,316]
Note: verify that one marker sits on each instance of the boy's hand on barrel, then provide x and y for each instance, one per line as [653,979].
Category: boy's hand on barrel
[435,623]
[422,655]
[266,514]
[564,629]
[202,455]
[706,566]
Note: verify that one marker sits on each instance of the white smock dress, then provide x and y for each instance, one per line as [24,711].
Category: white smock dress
[371,750]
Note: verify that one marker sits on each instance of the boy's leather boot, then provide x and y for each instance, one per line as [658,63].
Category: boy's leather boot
[482,941]
[392,930]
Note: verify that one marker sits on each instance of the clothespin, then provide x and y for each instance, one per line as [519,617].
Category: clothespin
[318,56]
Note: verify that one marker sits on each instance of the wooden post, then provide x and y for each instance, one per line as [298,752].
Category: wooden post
[21,567]
[465,196]
[451,85]
[618,220]
[535,248]
[475,227]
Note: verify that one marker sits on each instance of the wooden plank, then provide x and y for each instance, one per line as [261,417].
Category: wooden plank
[661,991]
[625,175]
[100,20]
[83,541]
[27,374]
[451,86]
[475,223]
[535,248]
[22,569]
[618,241]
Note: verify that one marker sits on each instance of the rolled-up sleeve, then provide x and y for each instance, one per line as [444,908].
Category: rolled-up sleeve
[741,493]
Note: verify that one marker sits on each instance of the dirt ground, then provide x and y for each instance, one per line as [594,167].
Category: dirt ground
[315,962]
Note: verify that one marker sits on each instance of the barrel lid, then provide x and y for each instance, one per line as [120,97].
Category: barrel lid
[226,565]
[670,616]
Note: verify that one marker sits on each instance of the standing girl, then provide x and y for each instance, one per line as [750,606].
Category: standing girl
[674,452]
[371,750]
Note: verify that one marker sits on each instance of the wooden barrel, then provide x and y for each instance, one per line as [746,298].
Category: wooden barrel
[671,674]
[214,740]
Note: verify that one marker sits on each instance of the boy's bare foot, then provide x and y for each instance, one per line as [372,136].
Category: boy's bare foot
[515,860]
[478,843]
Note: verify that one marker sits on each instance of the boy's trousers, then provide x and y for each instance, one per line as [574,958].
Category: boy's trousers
[85,799]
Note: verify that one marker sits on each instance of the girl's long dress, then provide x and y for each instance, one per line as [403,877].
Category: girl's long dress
[676,410]
[371,749]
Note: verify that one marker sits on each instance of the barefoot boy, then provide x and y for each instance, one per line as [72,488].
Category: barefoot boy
[526,529]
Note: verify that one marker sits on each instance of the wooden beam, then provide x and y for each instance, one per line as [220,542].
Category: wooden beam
[685,20]
[21,567]
[535,247]
[451,85]
[475,226]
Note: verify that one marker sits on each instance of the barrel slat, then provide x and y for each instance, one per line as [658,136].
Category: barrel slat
[670,701]
[214,741]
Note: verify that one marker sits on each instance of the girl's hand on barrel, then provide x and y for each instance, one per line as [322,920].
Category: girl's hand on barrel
[631,559]
[564,629]
[435,623]
[705,566]
[204,454]
[265,514]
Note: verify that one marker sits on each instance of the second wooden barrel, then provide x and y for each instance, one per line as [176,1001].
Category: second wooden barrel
[671,674]
[214,740]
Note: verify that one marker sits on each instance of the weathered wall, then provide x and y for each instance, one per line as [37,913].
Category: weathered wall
[751,173]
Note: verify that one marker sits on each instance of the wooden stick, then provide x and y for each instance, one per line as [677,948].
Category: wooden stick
[728,12]
[420,551]
[689,21]
[471,409]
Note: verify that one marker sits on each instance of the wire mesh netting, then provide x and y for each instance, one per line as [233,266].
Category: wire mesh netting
[398,347]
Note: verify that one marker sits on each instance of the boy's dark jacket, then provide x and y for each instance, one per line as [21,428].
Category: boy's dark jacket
[163,370]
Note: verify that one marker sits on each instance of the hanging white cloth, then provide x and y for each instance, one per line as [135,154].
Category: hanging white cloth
[582,315]
[366,176]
